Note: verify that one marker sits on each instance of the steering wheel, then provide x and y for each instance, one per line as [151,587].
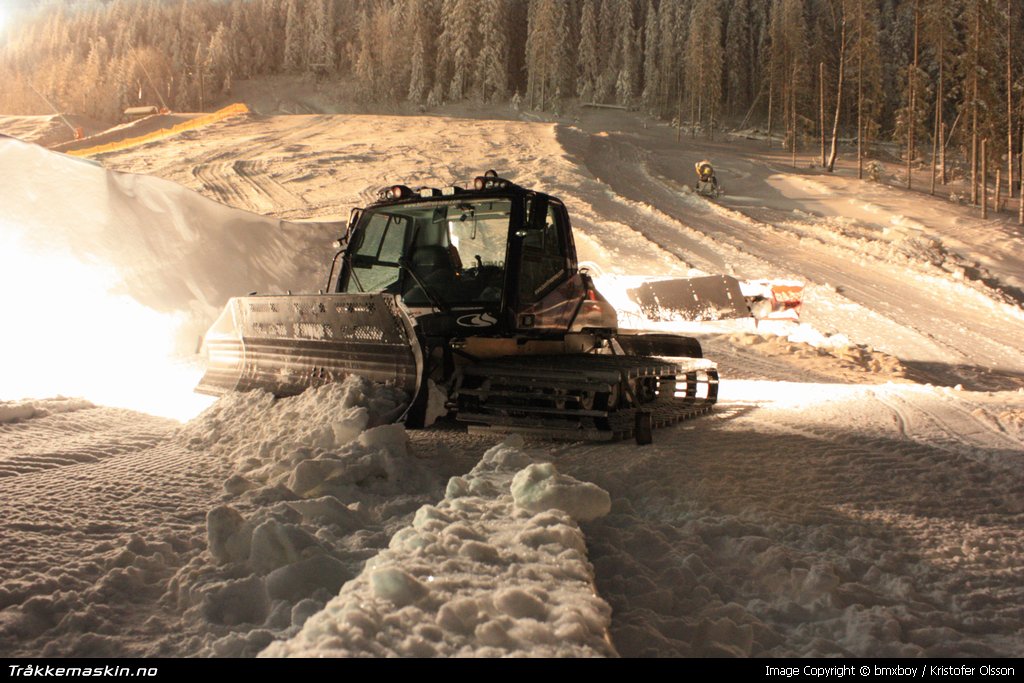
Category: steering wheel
[481,272]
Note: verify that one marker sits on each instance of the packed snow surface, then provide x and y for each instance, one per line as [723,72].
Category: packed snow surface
[859,489]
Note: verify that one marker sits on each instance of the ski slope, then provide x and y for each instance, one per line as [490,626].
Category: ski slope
[858,491]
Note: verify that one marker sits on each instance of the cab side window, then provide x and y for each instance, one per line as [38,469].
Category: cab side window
[543,253]
[374,265]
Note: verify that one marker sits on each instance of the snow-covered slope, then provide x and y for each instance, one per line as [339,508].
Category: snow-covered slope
[858,491]
[115,272]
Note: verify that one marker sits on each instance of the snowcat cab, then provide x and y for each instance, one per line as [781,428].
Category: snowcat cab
[475,291]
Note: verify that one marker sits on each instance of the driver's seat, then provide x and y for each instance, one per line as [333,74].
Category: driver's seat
[432,264]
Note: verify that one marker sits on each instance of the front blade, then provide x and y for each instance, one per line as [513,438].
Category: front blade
[286,344]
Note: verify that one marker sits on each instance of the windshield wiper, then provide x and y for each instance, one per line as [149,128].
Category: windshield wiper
[352,271]
[435,299]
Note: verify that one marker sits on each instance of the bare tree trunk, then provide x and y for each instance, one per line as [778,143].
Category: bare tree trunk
[935,146]
[937,123]
[974,104]
[860,88]
[910,127]
[984,179]
[750,111]
[821,108]
[1009,104]
[693,110]
[939,101]
[792,104]
[839,98]
[700,96]
[912,117]
[942,156]
[679,121]
[1020,211]
[999,191]
[771,97]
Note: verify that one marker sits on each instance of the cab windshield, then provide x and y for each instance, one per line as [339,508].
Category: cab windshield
[452,251]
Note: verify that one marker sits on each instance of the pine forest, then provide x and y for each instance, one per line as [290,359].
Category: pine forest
[921,78]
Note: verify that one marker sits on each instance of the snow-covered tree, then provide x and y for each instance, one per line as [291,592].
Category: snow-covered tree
[628,54]
[493,61]
[546,52]
[739,56]
[217,62]
[420,28]
[319,37]
[459,45]
[294,37]
[588,54]
[704,63]
[652,74]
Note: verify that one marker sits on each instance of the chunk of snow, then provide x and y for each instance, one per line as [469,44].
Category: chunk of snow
[301,579]
[229,535]
[236,602]
[397,586]
[540,487]
[275,545]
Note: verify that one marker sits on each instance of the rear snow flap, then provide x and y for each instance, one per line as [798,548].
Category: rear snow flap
[718,297]
[714,297]
[285,344]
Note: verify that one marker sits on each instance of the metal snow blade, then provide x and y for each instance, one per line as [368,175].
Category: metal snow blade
[286,344]
[715,297]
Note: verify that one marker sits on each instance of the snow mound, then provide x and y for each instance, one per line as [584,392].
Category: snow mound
[540,487]
[475,575]
[318,483]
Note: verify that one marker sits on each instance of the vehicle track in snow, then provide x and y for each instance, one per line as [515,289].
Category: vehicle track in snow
[98,542]
[81,436]
[247,184]
[821,526]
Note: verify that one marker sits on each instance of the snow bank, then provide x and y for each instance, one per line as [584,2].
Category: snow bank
[134,268]
[498,567]
[318,483]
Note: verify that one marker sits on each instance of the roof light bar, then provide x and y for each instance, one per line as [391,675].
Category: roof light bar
[485,182]
[394,192]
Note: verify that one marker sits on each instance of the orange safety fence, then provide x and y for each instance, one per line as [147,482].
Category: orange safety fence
[206,119]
